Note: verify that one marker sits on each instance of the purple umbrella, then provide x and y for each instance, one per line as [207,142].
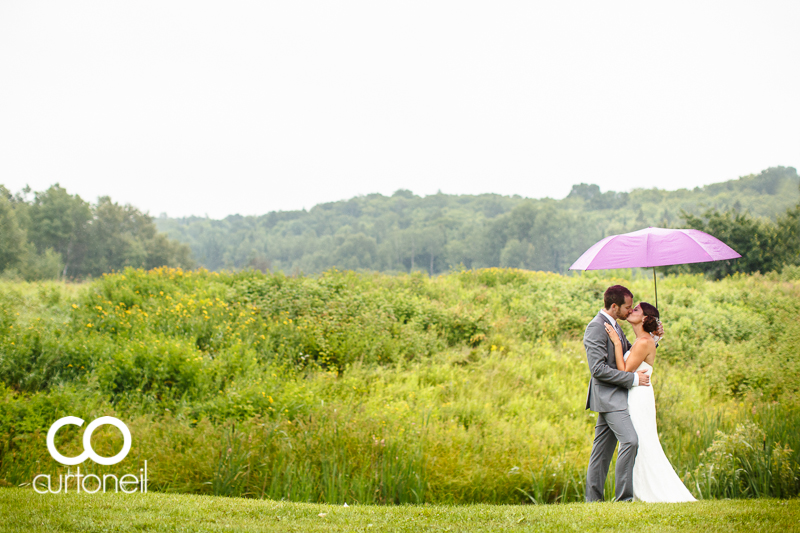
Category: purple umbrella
[654,247]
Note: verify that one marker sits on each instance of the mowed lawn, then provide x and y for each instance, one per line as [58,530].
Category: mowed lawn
[25,511]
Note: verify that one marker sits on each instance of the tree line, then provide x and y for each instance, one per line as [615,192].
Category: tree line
[51,234]
[54,234]
[764,245]
[406,232]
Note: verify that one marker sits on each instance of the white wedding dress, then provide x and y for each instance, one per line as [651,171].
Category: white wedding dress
[654,479]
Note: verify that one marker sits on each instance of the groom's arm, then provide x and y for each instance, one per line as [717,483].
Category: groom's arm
[595,341]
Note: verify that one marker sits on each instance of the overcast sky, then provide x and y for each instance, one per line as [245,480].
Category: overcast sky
[247,107]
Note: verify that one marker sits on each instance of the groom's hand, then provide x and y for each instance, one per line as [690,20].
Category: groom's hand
[644,379]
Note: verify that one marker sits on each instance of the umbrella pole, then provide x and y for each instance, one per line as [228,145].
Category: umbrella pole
[655,287]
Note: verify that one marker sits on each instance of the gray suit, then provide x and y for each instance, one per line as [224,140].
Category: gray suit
[608,396]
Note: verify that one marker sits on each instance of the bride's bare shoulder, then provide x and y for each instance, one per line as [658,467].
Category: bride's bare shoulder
[649,349]
[648,344]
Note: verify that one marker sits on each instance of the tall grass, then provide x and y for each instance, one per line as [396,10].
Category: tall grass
[391,389]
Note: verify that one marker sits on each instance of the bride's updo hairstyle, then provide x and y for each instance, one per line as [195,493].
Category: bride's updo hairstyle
[651,316]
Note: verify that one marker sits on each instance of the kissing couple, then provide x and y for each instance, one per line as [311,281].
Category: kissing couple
[621,395]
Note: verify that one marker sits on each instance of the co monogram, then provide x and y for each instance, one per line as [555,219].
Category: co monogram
[88,452]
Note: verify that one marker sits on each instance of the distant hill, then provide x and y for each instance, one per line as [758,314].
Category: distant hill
[405,232]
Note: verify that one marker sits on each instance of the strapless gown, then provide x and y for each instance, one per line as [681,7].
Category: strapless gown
[654,479]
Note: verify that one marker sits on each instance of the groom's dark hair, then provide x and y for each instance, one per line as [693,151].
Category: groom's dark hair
[616,295]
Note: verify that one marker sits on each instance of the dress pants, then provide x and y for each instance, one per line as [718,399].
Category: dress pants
[612,427]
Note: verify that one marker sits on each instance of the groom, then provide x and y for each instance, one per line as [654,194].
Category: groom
[608,396]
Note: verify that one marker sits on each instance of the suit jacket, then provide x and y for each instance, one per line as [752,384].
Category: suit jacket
[608,387]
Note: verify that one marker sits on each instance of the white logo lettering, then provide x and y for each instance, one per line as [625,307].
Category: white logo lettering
[88,452]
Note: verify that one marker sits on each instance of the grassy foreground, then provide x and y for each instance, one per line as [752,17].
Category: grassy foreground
[173,512]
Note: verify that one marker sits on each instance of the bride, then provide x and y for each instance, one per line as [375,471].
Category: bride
[654,479]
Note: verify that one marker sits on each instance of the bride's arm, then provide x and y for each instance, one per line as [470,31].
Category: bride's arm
[639,352]
[612,333]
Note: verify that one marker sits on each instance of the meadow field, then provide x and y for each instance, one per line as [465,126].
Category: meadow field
[196,513]
[466,388]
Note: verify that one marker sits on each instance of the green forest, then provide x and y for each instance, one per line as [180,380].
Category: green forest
[54,234]
[376,388]
[404,232]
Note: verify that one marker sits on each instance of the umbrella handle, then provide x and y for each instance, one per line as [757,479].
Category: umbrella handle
[655,287]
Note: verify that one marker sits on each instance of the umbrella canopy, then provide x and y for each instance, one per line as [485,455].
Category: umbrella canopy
[654,247]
